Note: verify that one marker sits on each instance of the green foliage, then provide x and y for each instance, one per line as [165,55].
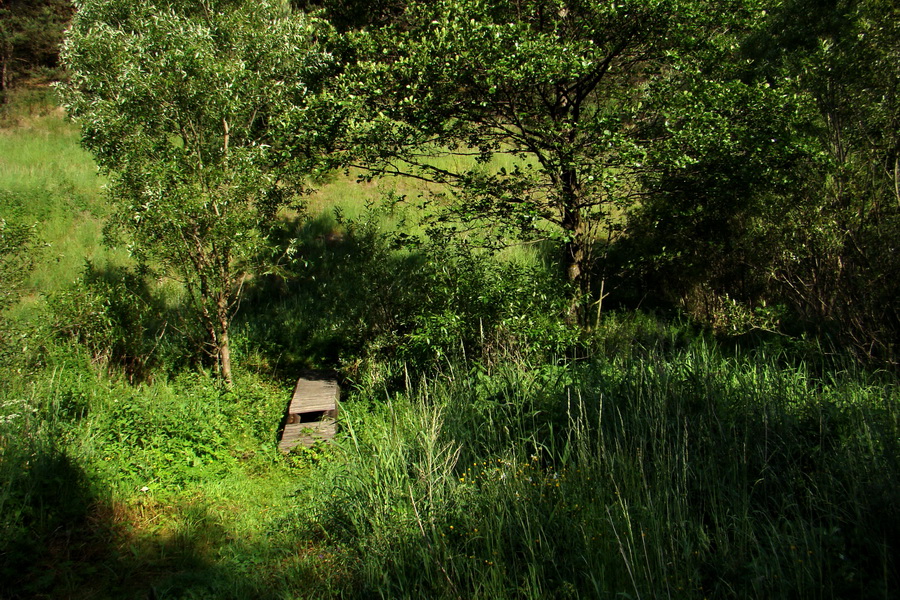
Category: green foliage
[161,445]
[16,259]
[120,319]
[559,87]
[487,448]
[161,436]
[350,295]
[660,464]
[473,305]
[91,469]
[50,205]
[774,190]
[169,436]
[44,500]
[18,252]
[838,269]
[685,473]
[31,32]
[721,181]
[348,15]
[206,118]
[49,185]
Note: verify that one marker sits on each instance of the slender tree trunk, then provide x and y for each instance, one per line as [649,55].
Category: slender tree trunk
[213,334]
[574,262]
[224,349]
[577,247]
[4,78]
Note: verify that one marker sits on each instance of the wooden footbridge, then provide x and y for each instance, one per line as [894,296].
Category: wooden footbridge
[311,415]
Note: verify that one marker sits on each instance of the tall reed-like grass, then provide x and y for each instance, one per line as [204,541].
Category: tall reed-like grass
[683,474]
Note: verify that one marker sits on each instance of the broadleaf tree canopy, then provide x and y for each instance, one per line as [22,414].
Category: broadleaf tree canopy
[557,85]
[207,117]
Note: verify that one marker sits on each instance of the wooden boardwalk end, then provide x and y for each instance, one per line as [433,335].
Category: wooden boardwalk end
[312,413]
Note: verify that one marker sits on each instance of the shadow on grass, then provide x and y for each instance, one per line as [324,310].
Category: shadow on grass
[60,537]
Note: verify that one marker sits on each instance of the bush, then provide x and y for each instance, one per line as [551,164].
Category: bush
[373,304]
[120,319]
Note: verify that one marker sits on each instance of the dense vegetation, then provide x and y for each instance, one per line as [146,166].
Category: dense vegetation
[612,290]
[30,35]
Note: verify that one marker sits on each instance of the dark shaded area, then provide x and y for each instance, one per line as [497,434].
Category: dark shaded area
[341,288]
[60,537]
[31,32]
[347,15]
[47,519]
[753,470]
[792,29]
[350,292]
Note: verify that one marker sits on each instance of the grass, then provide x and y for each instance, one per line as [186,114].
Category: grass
[685,474]
[682,473]
[486,450]
[47,179]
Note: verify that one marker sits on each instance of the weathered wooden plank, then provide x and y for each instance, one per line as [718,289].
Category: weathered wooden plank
[307,434]
[325,426]
[311,413]
[313,395]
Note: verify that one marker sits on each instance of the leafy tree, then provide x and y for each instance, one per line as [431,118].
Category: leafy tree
[31,32]
[556,86]
[840,269]
[720,183]
[730,151]
[776,181]
[206,115]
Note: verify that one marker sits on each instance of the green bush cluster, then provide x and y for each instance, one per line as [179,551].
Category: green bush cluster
[368,301]
[121,319]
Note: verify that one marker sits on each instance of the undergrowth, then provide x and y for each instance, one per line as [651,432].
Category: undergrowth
[486,448]
[682,474]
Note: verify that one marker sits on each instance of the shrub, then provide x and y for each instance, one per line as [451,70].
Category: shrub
[120,319]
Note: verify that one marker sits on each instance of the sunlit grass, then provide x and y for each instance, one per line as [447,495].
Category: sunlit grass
[42,150]
[399,203]
[49,181]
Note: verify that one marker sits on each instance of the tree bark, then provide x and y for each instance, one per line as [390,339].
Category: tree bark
[4,78]
[577,246]
[224,349]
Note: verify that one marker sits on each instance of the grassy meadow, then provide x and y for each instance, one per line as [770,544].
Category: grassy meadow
[487,449]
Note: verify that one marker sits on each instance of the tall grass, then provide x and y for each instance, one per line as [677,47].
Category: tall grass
[684,474]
